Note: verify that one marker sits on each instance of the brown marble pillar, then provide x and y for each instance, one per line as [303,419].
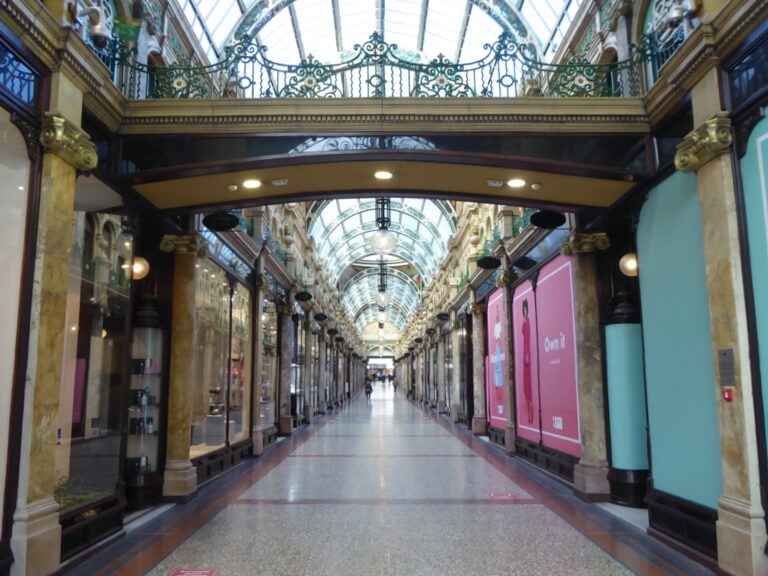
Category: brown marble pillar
[741,531]
[479,422]
[36,540]
[590,477]
[284,420]
[309,377]
[456,382]
[180,477]
[504,281]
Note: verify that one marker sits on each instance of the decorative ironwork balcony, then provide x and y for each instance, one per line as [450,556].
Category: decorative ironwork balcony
[377,69]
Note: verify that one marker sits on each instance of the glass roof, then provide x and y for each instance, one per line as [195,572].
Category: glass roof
[342,230]
[549,20]
[422,29]
[360,294]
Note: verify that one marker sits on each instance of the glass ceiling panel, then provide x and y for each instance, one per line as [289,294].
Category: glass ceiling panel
[423,28]
[342,230]
[549,20]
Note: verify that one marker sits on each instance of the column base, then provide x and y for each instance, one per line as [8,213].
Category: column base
[455,413]
[479,425]
[308,414]
[509,439]
[590,480]
[179,481]
[741,536]
[285,426]
[258,442]
[36,541]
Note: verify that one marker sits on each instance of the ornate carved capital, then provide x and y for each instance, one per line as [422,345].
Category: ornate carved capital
[191,244]
[579,243]
[59,136]
[477,308]
[704,143]
[504,279]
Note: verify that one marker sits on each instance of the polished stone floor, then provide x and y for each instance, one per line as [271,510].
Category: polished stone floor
[384,488]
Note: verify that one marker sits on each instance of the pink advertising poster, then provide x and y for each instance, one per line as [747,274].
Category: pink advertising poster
[526,363]
[496,375]
[558,371]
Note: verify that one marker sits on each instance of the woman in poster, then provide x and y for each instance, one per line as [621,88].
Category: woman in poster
[527,386]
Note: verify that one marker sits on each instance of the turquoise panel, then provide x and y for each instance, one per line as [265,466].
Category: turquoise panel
[754,170]
[626,396]
[680,379]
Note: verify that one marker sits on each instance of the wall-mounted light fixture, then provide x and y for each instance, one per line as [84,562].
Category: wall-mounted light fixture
[628,264]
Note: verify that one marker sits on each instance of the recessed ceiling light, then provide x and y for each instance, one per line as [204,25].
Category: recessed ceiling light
[382,175]
[516,183]
[232,187]
[251,184]
[536,186]
[494,183]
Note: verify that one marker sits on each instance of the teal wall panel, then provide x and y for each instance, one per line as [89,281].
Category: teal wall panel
[754,170]
[626,396]
[680,379]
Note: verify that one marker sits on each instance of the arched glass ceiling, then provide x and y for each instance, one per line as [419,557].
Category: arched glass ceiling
[342,232]
[360,294]
[549,20]
[351,143]
[293,29]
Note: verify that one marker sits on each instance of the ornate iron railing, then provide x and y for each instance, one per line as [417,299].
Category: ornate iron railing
[378,69]
[17,79]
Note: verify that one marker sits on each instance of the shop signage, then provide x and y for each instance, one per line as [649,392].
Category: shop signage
[496,375]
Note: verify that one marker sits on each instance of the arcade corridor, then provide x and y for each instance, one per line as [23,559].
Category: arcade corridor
[385,488]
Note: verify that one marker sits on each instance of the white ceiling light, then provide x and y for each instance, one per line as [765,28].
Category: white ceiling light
[252,184]
[516,183]
[383,241]
[382,175]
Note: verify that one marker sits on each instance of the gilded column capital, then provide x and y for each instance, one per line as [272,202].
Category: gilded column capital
[190,244]
[706,142]
[61,137]
[504,279]
[477,308]
[578,243]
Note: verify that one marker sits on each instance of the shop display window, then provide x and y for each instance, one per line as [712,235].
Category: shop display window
[315,375]
[297,366]
[212,341]
[94,363]
[270,362]
[241,363]
[448,343]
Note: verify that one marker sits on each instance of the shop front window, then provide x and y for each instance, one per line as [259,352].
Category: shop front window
[315,377]
[212,341]
[94,363]
[241,362]
[269,367]
[448,340]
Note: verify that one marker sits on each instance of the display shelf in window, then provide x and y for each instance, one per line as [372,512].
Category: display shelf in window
[145,403]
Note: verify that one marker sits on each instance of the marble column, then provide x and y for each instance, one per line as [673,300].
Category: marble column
[504,281]
[284,420]
[307,375]
[180,477]
[741,531]
[456,382]
[442,403]
[36,540]
[590,475]
[322,377]
[257,432]
[479,422]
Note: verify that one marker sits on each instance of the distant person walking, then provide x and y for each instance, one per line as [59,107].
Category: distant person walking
[368,390]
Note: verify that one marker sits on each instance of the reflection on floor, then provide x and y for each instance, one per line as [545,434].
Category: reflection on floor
[385,488]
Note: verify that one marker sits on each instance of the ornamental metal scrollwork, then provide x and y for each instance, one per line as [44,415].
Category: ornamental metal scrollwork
[190,244]
[579,243]
[61,137]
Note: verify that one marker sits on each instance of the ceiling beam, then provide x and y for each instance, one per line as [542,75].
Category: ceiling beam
[337,25]
[463,31]
[297,31]
[422,25]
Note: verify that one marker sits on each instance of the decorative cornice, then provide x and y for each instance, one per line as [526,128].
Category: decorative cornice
[706,142]
[190,244]
[579,243]
[61,137]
